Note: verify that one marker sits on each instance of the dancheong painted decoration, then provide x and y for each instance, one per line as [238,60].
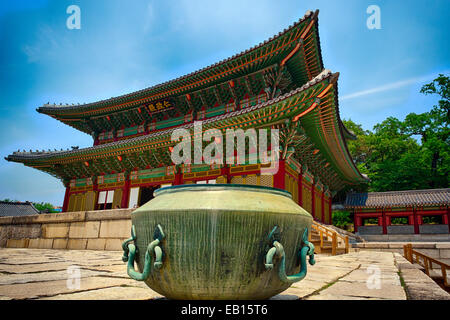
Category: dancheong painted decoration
[280,83]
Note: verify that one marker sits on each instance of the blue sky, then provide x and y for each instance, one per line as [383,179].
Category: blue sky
[124,46]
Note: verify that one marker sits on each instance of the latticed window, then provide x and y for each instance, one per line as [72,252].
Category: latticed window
[141,128]
[237,180]
[120,133]
[266,180]
[251,180]
[100,179]
[105,199]
[307,199]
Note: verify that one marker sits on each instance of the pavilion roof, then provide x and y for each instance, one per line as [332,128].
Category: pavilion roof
[322,148]
[409,198]
[17,209]
[264,55]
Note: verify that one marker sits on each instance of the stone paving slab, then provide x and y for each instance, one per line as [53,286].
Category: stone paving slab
[34,267]
[33,290]
[338,297]
[103,276]
[114,293]
[362,290]
[46,276]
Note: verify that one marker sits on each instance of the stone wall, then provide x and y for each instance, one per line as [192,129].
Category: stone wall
[406,237]
[93,230]
[431,229]
[364,230]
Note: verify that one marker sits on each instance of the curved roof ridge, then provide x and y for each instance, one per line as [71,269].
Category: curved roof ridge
[308,14]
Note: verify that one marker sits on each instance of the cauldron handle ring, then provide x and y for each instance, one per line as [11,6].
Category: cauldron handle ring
[306,250]
[129,253]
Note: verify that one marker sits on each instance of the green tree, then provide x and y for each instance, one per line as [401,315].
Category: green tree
[409,154]
[441,87]
[44,207]
[360,147]
[341,219]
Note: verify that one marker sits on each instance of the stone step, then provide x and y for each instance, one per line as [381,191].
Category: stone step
[328,250]
[437,274]
[327,244]
[317,243]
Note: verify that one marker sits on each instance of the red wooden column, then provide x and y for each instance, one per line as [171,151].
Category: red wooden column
[323,206]
[95,189]
[225,171]
[448,218]
[330,201]
[357,220]
[415,221]
[125,192]
[300,189]
[445,217]
[387,221]
[383,221]
[313,197]
[66,198]
[178,177]
[419,220]
[280,176]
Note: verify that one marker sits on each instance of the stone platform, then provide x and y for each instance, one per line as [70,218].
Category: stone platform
[50,274]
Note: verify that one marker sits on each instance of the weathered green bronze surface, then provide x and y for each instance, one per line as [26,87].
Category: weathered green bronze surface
[219,242]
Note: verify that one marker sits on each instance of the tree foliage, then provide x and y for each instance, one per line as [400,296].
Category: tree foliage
[410,154]
[44,207]
[341,219]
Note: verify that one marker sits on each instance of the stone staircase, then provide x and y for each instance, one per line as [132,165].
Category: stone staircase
[327,241]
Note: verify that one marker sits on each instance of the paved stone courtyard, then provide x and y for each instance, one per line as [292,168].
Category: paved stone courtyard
[48,274]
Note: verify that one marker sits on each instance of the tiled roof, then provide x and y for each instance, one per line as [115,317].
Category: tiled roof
[429,197]
[18,155]
[48,108]
[17,209]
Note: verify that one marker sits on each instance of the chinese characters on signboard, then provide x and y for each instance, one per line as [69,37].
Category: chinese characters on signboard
[160,106]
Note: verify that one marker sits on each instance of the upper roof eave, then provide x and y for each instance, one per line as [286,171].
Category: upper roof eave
[55,110]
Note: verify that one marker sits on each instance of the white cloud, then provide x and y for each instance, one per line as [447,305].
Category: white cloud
[388,87]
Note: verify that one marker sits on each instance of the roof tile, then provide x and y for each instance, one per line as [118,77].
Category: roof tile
[17,209]
[428,197]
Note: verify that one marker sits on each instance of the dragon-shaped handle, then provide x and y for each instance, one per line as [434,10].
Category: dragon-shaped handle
[307,249]
[129,253]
